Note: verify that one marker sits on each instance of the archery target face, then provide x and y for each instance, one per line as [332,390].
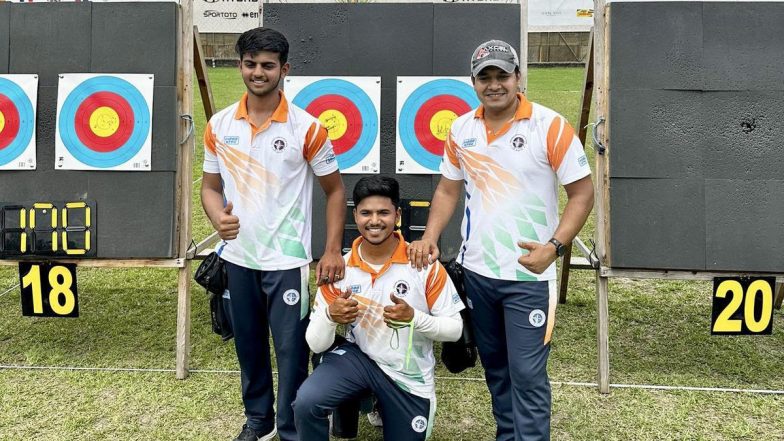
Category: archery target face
[104,122]
[18,95]
[349,108]
[426,107]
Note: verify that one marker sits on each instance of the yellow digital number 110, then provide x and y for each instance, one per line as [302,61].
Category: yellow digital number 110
[44,206]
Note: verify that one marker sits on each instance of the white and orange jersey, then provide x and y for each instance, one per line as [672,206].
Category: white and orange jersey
[511,180]
[430,291]
[266,173]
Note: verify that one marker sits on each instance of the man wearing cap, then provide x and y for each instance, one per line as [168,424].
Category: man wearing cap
[510,154]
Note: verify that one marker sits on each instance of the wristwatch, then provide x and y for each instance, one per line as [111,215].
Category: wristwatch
[560,249]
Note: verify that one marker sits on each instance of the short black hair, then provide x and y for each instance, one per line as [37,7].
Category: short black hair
[256,40]
[377,185]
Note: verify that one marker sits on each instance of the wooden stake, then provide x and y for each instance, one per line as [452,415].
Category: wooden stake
[585,110]
[184,190]
[601,195]
[779,295]
[602,332]
[201,75]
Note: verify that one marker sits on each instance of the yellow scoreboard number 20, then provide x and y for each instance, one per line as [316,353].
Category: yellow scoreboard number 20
[742,306]
[49,289]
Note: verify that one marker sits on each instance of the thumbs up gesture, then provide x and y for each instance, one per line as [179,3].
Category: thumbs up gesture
[398,311]
[344,309]
[228,225]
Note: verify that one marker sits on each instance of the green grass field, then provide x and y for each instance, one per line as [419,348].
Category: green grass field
[659,335]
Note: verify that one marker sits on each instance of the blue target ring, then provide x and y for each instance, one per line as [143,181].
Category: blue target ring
[423,93]
[360,99]
[141,122]
[19,99]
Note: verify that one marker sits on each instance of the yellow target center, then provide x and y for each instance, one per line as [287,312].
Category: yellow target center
[104,121]
[441,122]
[2,121]
[335,122]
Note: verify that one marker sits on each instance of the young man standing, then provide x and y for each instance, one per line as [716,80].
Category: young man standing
[260,155]
[393,314]
[511,155]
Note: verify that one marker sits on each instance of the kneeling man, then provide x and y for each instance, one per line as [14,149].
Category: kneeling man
[392,313]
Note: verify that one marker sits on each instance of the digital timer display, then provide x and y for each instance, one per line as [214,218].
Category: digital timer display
[47,228]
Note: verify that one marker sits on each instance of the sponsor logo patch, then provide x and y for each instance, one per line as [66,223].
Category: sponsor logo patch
[330,158]
[231,140]
[455,298]
[468,143]
[470,305]
[291,297]
[356,289]
[582,161]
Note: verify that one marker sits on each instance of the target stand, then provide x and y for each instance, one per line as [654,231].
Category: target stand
[600,259]
[103,130]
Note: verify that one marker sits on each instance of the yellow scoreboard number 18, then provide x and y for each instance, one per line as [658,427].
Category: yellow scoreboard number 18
[49,289]
[742,306]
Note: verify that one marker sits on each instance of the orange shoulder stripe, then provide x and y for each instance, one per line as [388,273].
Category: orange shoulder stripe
[209,139]
[308,137]
[559,137]
[436,281]
[451,151]
[329,292]
[318,137]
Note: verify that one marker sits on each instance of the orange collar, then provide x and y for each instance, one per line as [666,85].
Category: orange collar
[524,109]
[400,255]
[279,115]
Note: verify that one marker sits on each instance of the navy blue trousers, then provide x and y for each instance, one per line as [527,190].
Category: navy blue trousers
[260,301]
[510,321]
[347,373]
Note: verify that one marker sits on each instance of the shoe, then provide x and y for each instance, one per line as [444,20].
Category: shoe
[374,418]
[249,434]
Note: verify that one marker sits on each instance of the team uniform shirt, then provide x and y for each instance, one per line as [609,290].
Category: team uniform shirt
[429,291]
[265,173]
[511,179]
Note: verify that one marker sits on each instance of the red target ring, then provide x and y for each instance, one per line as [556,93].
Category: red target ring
[349,111]
[11,121]
[88,136]
[425,114]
